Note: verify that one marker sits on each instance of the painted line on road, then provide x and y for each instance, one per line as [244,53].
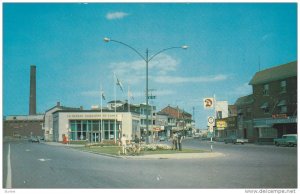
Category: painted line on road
[8,177]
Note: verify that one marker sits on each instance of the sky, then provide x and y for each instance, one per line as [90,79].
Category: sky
[228,43]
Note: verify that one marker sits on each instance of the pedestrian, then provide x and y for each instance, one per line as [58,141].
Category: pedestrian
[123,143]
[180,137]
[137,144]
[174,141]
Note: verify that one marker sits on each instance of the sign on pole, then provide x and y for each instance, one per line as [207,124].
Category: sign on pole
[208,103]
[210,129]
[210,121]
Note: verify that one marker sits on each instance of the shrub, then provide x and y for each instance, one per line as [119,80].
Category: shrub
[154,147]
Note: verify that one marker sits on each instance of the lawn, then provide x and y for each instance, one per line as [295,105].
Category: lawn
[115,150]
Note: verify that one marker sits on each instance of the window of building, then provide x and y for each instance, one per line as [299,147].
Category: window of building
[283,86]
[265,107]
[219,114]
[266,90]
[248,112]
[282,108]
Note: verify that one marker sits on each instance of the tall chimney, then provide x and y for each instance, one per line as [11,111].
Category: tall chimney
[32,96]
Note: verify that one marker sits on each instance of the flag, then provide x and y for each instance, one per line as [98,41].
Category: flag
[130,95]
[119,84]
[102,94]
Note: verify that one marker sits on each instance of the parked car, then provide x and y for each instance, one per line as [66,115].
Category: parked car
[162,138]
[34,140]
[233,139]
[286,140]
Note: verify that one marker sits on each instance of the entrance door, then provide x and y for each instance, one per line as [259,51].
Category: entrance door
[245,133]
[95,137]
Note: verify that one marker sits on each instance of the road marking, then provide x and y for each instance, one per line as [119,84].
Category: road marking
[8,178]
[43,159]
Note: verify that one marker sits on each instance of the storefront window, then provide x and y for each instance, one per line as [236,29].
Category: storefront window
[81,129]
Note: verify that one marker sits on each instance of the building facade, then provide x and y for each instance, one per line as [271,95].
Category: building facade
[23,125]
[179,119]
[94,126]
[271,111]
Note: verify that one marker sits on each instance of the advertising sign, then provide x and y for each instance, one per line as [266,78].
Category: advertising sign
[208,103]
[221,124]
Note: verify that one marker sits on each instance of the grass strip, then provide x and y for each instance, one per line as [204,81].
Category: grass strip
[115,150]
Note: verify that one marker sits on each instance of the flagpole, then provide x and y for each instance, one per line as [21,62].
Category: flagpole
[101,96]
[115,81]
[128,99]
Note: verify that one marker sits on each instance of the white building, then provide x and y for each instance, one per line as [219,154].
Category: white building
[94,125]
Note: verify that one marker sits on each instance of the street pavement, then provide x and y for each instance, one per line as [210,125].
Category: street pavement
[45,166]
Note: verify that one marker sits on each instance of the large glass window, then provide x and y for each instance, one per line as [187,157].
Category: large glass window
[81,128]
[96,126]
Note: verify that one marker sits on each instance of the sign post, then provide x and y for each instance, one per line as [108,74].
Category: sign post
[210,124]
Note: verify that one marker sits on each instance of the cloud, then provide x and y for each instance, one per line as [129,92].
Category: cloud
[90,93]
[116,15]
[244,89]
[201,79]
[159,66]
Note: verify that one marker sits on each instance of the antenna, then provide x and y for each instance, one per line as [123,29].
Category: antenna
[259,63]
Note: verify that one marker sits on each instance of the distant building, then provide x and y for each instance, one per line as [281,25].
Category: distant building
[182,118]
[245,118]
[221,108]
[23,125]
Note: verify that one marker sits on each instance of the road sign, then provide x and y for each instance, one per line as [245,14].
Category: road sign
[210,121]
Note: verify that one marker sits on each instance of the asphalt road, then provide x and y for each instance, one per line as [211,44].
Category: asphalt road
[36,165]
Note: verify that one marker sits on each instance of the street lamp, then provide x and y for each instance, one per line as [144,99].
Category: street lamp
[147,59]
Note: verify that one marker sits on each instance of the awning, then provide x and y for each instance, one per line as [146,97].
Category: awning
[281,103]
[261,126]
[265,105]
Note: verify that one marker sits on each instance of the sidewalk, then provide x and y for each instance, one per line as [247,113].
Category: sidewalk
[62,145]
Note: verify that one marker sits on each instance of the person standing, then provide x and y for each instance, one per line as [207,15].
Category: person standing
[123,142]
[174,140]
[180,137]
[137,144]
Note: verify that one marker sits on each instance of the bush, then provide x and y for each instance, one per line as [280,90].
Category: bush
[154,147]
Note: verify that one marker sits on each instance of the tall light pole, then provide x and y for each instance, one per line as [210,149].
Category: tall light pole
[147,59]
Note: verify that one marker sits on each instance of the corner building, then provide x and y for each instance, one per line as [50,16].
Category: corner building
[94,126]
[274,106]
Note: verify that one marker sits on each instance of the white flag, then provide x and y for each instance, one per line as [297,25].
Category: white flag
[119,84]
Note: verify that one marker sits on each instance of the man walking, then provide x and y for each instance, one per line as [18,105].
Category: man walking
[123,142]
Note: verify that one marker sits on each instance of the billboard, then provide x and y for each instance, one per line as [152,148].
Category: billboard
[221,124]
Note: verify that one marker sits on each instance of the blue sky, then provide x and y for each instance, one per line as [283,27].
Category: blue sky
[227,42]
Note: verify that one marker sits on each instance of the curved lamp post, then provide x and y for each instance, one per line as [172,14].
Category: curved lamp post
[147,59]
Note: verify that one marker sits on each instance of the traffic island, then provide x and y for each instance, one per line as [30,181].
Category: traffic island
[152,153]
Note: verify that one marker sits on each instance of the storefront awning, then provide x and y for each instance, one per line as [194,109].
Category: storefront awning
[282,103]
[262,126]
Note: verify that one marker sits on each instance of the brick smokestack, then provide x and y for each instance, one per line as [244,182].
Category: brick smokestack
[32,95]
